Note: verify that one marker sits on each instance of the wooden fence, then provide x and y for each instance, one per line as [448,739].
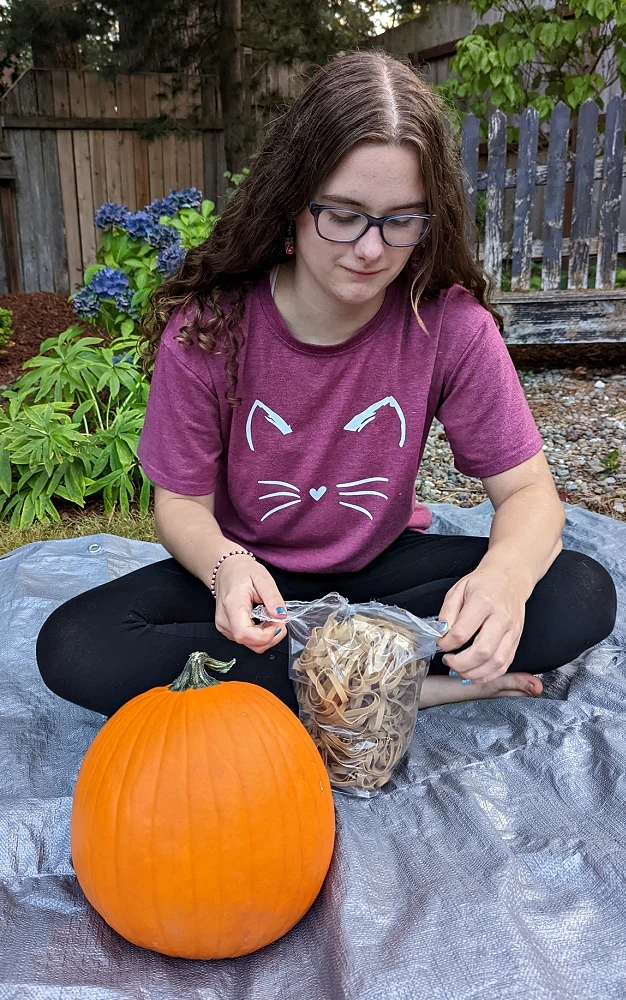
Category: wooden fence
[77,140]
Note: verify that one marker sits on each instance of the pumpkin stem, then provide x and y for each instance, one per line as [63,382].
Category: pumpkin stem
[194,676]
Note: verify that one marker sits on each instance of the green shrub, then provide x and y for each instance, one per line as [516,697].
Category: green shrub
[6,327]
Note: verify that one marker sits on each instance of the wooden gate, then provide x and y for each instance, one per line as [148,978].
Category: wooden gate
[566,308]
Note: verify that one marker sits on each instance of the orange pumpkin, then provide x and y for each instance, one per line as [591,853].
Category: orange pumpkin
[203,822]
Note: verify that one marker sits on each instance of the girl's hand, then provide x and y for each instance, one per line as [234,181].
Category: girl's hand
[489,602]
[240,584]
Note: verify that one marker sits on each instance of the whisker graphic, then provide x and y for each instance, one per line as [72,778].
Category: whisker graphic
[359,482]
[280,493]
[363,493]
[282,507]
[277,482]
[354,507]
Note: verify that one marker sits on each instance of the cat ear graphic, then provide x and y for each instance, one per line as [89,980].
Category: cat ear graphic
[366,416]
[270,416]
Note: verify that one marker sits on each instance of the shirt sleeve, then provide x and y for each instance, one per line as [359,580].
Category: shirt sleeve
[483,409]
[180,443]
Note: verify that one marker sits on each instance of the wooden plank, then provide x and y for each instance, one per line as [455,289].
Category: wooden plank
[10,103]
[26,219]
[67,176]
[563,317]
[60,93]
[524,193]
[28,94]
[469,163]
[583,193]
[52,242]
[10,239]
[196,164]
[97,153]
[111,143]
[4,281]
[168,142]
[495,197]
[537,247]
[209,98]
[183,143]
[127,145]
[555,197]
[155,146]
[82,168]
[611,194]
[142,170]
[129,123]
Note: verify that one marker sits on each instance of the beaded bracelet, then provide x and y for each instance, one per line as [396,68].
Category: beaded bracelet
[235,552]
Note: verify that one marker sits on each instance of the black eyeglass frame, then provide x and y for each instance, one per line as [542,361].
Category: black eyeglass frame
[372,220]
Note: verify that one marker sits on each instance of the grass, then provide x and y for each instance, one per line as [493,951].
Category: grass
[80,524]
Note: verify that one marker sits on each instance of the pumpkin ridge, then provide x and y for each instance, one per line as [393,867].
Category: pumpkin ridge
[155,875]
[98,752]
[285,846]
[218,844]
[190,826]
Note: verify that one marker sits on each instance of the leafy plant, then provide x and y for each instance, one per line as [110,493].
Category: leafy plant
[6,327]
[534,56]
[71,422]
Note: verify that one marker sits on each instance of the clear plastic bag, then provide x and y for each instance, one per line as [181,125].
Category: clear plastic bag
[357,670]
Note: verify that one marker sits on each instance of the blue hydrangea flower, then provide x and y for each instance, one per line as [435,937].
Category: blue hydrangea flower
[86,303]
[111,214]
[163,206]
[170,259]
[108,282]
[139,224]
[189,197]
[123,300]
[162,237]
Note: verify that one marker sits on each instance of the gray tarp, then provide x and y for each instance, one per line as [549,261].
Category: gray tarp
[495,869]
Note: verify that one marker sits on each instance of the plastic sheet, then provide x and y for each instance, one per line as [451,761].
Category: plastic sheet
[490,866]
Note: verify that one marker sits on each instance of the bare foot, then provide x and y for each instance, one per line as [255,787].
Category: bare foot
[443,690]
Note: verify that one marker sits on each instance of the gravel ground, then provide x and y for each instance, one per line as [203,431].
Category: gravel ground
[581,415]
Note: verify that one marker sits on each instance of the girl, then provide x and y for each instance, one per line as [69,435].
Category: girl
[300,355]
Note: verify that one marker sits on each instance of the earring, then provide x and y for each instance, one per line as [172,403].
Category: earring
[289,243]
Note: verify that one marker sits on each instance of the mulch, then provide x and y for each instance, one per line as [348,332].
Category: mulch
[36,316]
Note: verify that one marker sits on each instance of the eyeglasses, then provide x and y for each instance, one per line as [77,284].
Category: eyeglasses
[340,225]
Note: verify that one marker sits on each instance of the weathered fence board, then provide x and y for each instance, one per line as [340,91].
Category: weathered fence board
[126,144]
[469,164]
[495,198]
[583,193]
[65,147]
[563,317]
[611,194]
[526,173]
[142,169]
[555,197]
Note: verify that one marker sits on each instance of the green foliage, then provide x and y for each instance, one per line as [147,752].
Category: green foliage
[6,327]
[532,57]
[71,422]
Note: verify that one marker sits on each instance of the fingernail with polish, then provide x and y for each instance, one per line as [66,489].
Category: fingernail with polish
[281,611]
[452,673]
[277,630]
[468,680]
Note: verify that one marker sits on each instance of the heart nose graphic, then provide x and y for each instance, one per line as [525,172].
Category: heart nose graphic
[318,493]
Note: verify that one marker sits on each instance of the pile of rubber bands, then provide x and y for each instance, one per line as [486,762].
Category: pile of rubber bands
[358,682]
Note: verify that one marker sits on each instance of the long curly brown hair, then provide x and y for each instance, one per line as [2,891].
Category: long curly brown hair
[355,98]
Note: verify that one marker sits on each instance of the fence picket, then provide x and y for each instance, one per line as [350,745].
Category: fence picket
[52,245]
[611,194]
[524,193]
[170,140]
[111,143]
[469,164]
[61,99]
[82,167]
[142,170]
[127,144]
[555,197]
[155,146]
[583,194]
[495,197]
[96,147]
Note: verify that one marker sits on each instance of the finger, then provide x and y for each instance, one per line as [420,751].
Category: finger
[471,618]
[450,610]
[489,653]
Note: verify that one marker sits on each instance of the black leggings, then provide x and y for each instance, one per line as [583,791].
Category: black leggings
[107,645]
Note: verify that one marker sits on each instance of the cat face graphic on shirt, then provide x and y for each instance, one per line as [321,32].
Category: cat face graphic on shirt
[354,488]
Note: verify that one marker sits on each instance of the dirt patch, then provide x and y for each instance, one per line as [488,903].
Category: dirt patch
[36,316]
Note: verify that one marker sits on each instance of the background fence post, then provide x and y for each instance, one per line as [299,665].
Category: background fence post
[10,236]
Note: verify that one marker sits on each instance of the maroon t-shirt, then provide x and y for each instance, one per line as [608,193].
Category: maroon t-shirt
[315,470]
